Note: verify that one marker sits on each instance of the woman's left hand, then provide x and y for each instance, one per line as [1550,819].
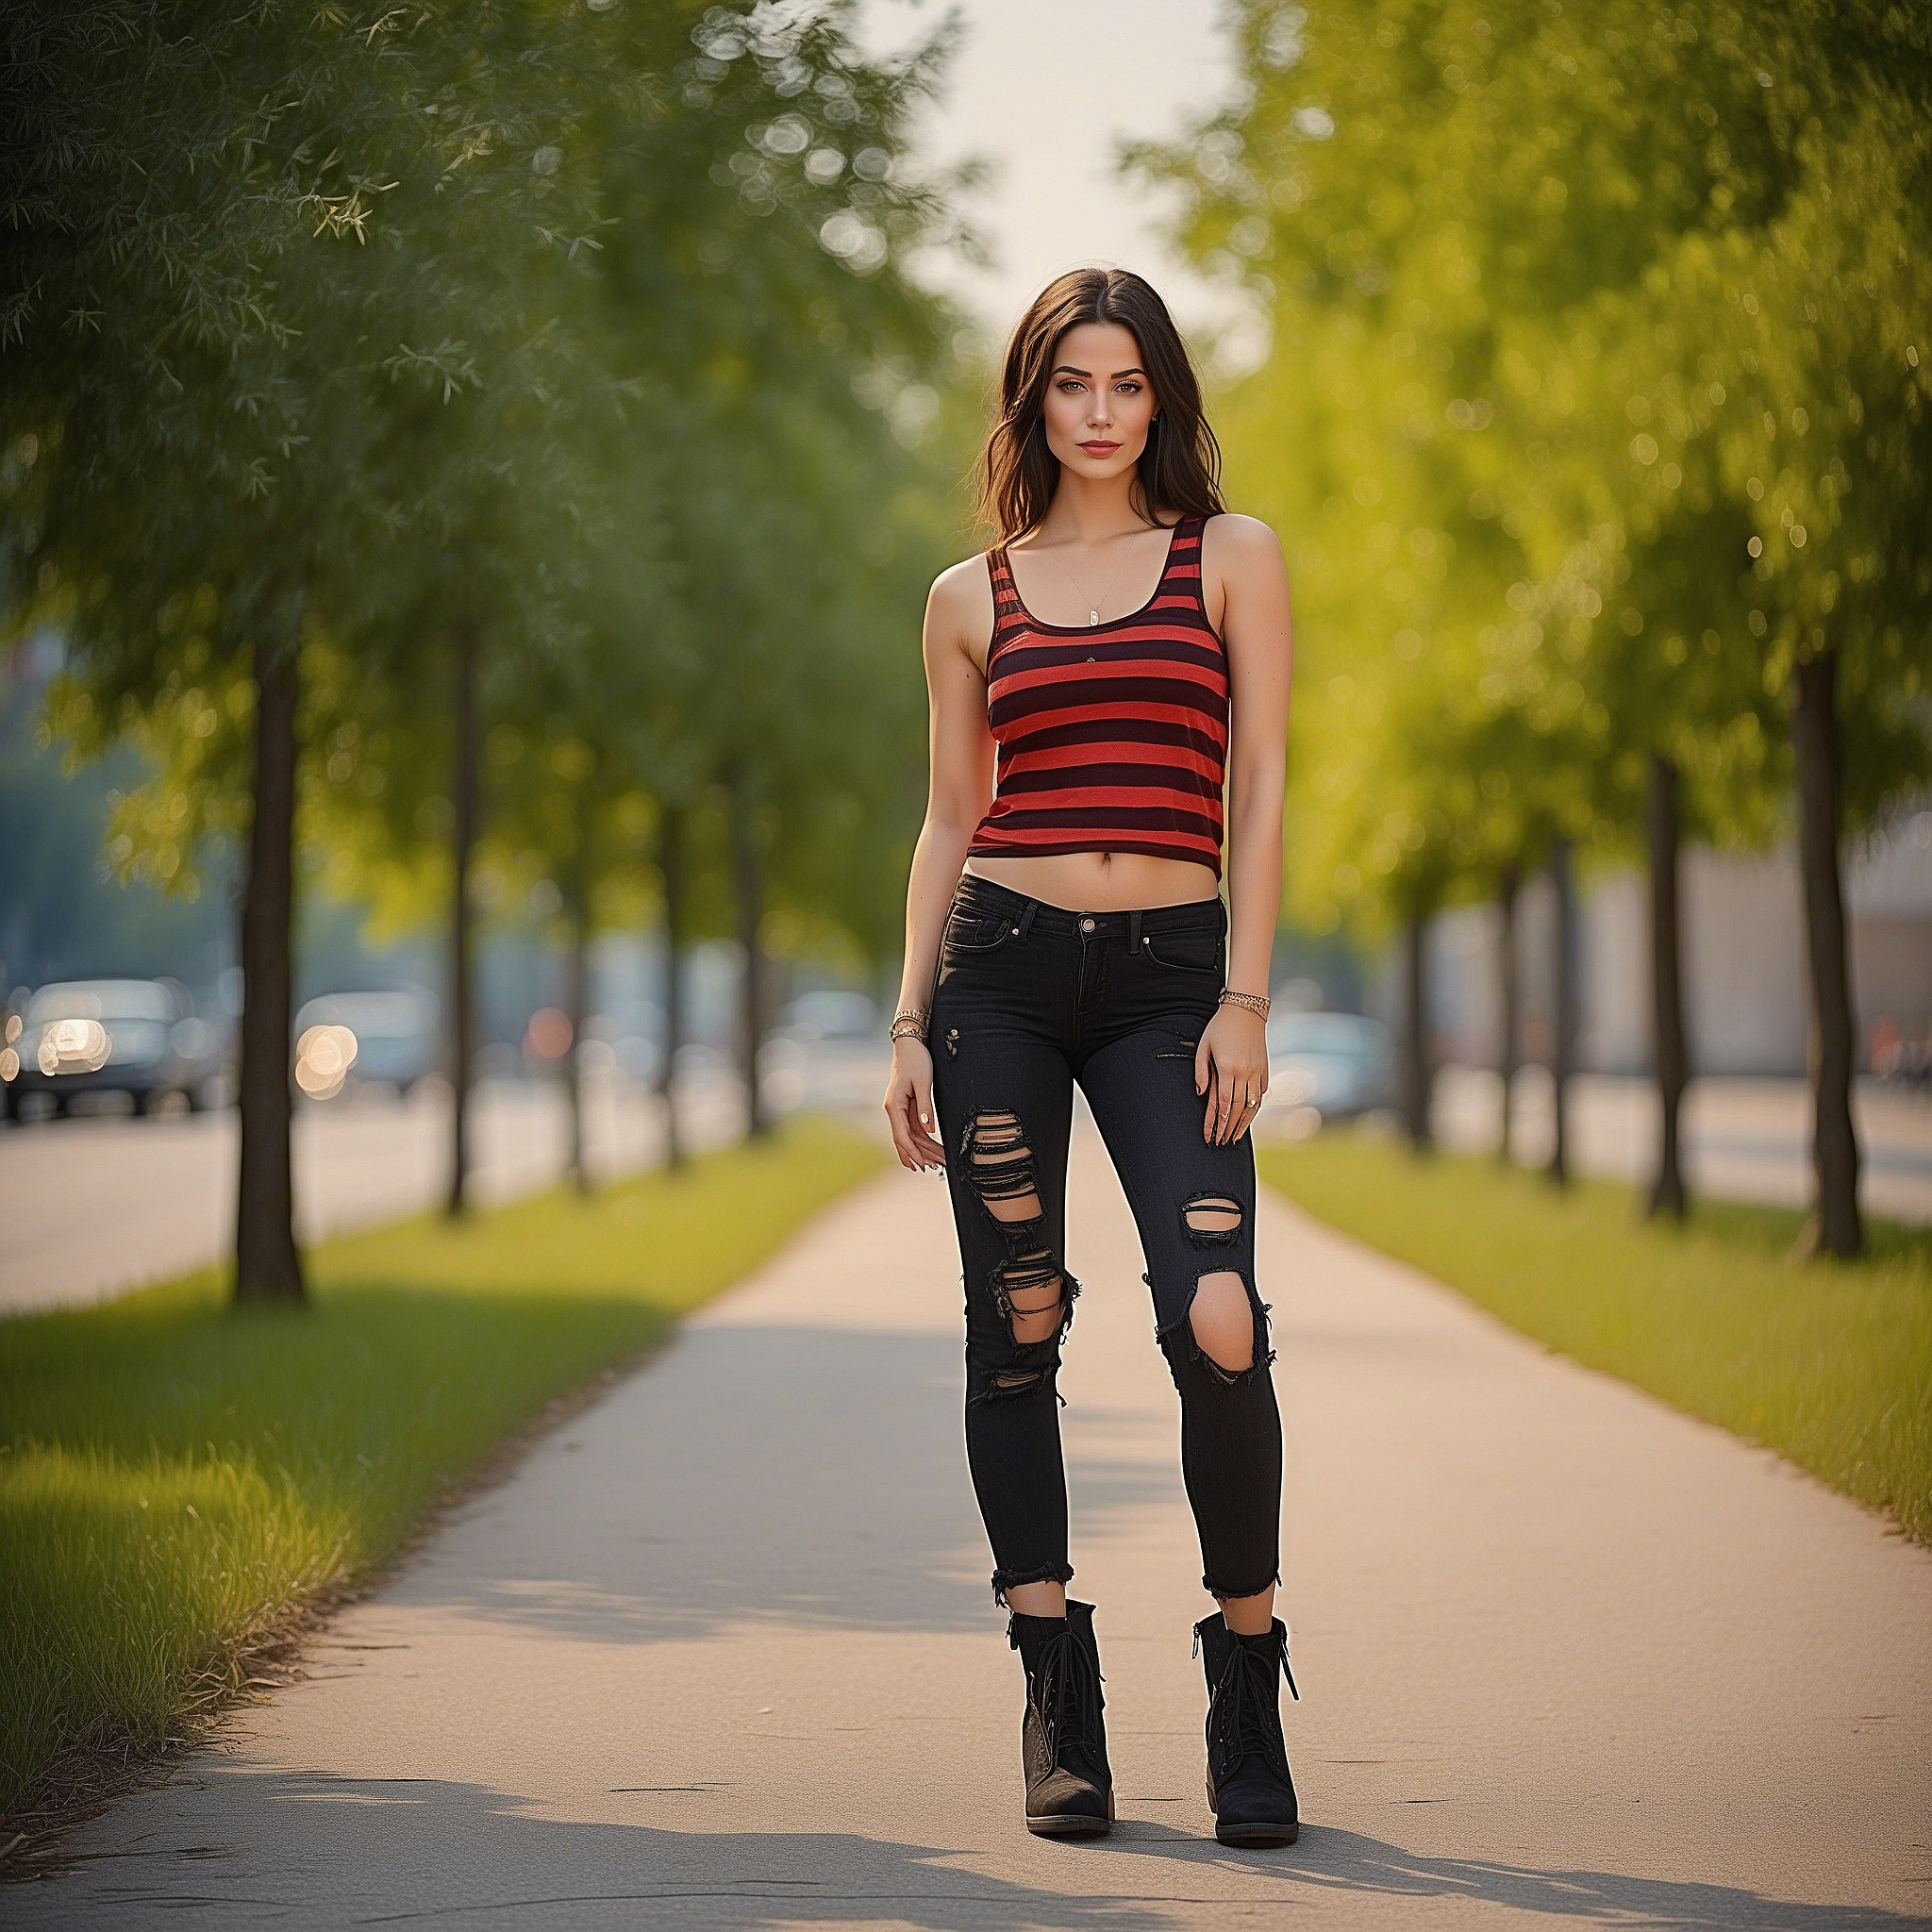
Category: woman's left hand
[1231,1069]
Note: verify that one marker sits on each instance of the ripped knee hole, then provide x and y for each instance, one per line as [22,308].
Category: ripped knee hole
[1223,1322]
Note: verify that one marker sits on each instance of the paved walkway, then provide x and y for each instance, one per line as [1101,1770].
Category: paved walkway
[721,1654]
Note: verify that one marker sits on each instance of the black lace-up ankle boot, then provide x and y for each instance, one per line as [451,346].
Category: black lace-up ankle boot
[1250,1789]
[1063,1737]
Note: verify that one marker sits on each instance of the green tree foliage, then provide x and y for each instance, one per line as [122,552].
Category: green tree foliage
[517,389]
[1596,413]
[782,361]
[760,521]
[278,303]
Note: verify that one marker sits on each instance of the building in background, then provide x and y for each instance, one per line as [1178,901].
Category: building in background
[1746,995]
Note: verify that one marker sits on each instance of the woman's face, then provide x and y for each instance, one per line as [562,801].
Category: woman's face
[1099,400]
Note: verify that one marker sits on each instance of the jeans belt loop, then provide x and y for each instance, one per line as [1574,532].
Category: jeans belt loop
[1027,917]
[1134,932]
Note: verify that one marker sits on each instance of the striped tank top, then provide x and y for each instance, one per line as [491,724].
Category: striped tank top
[1111,737]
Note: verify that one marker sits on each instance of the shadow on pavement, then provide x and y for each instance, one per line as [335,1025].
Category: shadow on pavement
[1331,1862]
[830,1490]
[397,1852]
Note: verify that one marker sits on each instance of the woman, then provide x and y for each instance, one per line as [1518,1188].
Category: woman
[1097,682]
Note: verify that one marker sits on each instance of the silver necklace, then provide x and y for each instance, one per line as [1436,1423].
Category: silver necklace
[1093,608]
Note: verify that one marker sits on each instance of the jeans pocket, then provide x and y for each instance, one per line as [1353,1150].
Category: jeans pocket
[1184,952]
[969,934]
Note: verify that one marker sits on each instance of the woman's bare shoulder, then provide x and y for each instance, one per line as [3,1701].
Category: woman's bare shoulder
[963,579]
[1241,538]
[961,598]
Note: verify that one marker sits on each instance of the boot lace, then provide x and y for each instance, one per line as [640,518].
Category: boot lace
[1067,1689]
[1245,1713]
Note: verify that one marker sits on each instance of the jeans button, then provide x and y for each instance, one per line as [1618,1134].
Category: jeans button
[1086,925]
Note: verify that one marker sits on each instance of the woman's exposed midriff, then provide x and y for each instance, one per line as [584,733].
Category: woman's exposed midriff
[1100,881]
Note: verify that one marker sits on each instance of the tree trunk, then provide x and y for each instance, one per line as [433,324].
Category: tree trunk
[1418,1074]
[577,978]
[268,1265]
[1506,887]
[465,796]
[1835,1141]
[1667,986]
[748,879]
[671,868]
[1563,1021]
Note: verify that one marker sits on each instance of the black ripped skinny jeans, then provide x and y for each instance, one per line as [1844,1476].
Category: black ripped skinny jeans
[1030,999]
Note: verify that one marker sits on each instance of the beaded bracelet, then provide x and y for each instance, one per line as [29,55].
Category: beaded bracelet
[1254,1002]
[909,1022]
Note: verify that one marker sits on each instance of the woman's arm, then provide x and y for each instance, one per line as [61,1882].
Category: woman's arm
[959,790]
[1231,1064]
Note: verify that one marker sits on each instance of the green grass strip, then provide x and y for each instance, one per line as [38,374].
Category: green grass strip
[1827,1362]
[178,1474]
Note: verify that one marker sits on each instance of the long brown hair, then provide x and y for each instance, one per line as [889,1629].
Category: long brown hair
[1179,471]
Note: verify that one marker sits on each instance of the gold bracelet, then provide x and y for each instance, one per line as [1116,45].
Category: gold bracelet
[909,1022]
[1254,1002]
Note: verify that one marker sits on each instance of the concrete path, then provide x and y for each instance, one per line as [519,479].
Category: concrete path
[721,1654]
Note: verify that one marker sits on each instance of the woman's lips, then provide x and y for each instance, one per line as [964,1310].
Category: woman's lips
[1100,449]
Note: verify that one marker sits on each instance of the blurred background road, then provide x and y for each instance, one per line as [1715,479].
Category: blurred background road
[99,1205]
[93,1205]
[1745,1140]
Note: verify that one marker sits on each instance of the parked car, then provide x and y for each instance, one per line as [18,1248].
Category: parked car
[138,1037]
[346,1039]
[1325,1066]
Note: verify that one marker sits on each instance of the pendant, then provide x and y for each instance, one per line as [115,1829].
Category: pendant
[1093,617]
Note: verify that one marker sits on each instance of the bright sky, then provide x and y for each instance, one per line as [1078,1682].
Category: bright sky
[1042,89]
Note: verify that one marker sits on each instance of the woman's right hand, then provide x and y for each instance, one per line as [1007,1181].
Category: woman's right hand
[910,1108]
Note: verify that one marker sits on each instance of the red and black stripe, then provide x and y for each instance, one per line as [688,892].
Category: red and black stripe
[1112,737]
